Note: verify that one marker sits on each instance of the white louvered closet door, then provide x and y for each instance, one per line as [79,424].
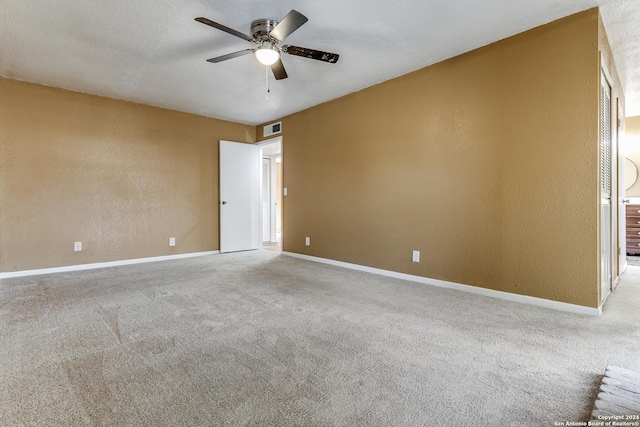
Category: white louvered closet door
[606,232]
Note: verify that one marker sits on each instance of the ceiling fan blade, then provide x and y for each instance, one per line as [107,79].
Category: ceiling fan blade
[224,28]
[291,22]
[278,70]
[311,53]
[230,56]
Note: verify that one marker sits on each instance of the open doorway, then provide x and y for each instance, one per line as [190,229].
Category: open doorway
[271,194]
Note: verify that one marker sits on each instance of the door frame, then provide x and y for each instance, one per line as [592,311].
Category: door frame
[266,187]
[606,208]
[262,145]
[622,210]
[614,200]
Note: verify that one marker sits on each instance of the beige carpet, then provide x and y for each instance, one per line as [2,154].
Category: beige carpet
[261,339]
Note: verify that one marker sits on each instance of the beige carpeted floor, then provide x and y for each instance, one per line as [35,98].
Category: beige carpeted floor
[257,338]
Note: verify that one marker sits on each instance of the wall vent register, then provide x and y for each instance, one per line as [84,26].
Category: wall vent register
[272,129]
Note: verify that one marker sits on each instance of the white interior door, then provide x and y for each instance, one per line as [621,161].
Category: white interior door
[239,197]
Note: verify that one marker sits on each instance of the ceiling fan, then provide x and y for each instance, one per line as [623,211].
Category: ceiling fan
[267,34]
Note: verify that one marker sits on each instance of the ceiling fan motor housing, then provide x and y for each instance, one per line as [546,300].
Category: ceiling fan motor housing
[261,28]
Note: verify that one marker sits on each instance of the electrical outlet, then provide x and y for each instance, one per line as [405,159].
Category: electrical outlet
[77,246]
[416,256]
[307,241]
[172,241]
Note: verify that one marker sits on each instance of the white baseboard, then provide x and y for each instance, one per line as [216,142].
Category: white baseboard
[524,299]
[23,273]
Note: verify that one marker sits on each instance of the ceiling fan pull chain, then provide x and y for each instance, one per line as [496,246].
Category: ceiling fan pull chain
[266,78]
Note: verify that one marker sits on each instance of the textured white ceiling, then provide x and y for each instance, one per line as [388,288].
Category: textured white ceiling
[153,52]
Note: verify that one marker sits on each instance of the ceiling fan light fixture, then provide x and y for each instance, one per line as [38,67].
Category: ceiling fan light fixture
[267,55]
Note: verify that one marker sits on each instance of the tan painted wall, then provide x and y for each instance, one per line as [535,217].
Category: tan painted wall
[633,126]
[120,177]
[486,163]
